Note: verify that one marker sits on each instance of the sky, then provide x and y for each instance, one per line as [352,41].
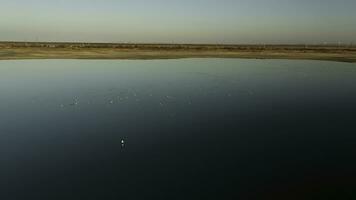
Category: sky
[179,21]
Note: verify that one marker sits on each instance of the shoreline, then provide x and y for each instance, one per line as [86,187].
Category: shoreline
[22,51]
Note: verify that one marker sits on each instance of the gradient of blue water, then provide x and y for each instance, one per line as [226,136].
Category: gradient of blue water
[192,128]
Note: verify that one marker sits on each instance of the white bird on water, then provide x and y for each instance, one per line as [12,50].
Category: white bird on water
[122,142]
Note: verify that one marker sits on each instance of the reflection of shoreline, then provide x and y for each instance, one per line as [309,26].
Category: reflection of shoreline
[10,51]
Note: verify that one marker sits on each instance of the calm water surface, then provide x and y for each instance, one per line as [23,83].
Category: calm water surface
[177,129]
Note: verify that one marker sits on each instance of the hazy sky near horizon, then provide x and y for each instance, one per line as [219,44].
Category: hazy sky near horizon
[179,21]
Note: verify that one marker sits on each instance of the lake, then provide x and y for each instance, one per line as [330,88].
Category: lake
[177,129]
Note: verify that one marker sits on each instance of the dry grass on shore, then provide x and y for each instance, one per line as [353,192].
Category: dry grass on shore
[18,50]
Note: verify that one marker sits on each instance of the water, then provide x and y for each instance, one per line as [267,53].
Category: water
[177,129]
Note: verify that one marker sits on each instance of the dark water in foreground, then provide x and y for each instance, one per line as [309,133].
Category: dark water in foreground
[192,129]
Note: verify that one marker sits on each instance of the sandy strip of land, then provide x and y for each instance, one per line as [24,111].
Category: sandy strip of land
[90,51]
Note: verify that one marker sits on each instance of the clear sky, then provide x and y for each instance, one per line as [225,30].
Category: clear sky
[179,21]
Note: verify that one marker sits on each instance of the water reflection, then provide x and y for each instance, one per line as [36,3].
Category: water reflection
[193,128]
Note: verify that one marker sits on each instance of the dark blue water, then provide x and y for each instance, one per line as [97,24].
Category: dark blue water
[177,129]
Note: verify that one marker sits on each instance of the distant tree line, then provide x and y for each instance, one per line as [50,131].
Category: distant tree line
[225,47]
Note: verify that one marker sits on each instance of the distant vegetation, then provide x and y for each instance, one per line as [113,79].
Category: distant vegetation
[53,50]
[331,47]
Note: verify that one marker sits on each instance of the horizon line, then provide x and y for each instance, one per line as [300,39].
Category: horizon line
[174,43]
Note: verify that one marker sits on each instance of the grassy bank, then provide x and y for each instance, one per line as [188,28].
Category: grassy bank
[22,50]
